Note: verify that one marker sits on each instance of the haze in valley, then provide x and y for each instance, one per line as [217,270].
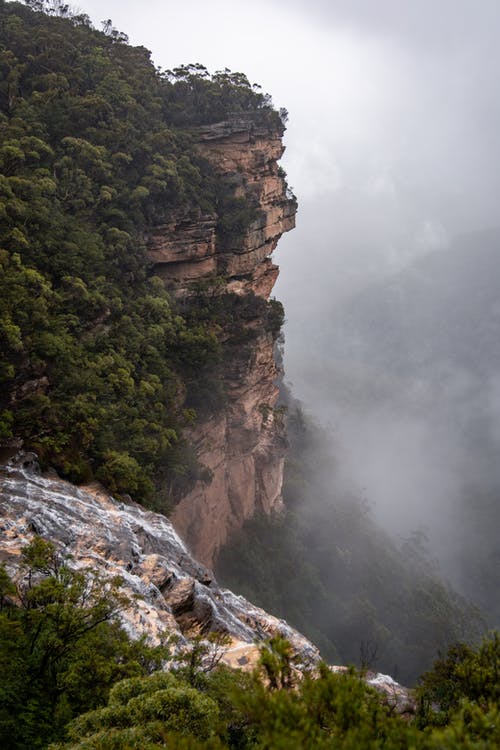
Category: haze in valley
[390,280]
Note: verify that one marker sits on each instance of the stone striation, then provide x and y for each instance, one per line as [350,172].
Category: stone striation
[245,149]
[171,592]
[243,446]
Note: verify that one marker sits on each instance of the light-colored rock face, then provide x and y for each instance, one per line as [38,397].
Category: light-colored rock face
[243,446]
[174,592]
[170,592]
[185,248]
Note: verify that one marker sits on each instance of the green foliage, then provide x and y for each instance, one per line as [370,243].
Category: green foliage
[194,96]
[276,663]
[122,473]
[236,214]
[276,316]
[101,691]
[324,711]
[100,370]
[61,647]
[473,727]
[7,588]
[146,710]
[230,709]
[463,673]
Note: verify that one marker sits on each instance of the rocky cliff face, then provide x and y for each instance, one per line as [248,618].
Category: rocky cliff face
[243,445]
[245,150]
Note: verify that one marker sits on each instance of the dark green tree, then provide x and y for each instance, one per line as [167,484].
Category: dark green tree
[61,646]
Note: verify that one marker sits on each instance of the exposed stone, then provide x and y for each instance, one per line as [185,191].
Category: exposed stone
[28,389]
[171,591]
[246,150]
[401,700]
[184,249]
[243,446]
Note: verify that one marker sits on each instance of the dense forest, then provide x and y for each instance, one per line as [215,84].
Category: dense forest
[101,371]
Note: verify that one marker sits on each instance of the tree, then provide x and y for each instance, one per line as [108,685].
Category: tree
[61,646]
[464,673]
[148,712]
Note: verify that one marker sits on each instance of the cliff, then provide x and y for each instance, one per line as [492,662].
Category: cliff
[245,149]
[104,368]
[168,590]
[243,445]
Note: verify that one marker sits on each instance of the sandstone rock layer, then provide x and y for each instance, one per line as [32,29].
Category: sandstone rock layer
[243,445]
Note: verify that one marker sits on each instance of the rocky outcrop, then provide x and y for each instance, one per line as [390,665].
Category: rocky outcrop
[184,249]
[245,149]
[243,446]
[170,590]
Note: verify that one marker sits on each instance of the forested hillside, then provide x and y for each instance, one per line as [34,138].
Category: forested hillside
[105,370]
[100,370]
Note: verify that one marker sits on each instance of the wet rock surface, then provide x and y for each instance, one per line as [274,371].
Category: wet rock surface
[174,593]
[171,592]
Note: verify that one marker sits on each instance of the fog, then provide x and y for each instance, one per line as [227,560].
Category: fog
[392,150]
[377,332]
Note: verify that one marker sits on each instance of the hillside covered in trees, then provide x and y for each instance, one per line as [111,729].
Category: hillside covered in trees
[102,373]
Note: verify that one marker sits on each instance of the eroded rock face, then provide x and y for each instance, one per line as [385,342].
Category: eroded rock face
[244,449]
[243,446]
[174,592]
[245,149]
[185,247]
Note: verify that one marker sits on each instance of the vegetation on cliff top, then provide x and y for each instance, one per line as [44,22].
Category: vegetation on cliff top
[99,369]
[100,372]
